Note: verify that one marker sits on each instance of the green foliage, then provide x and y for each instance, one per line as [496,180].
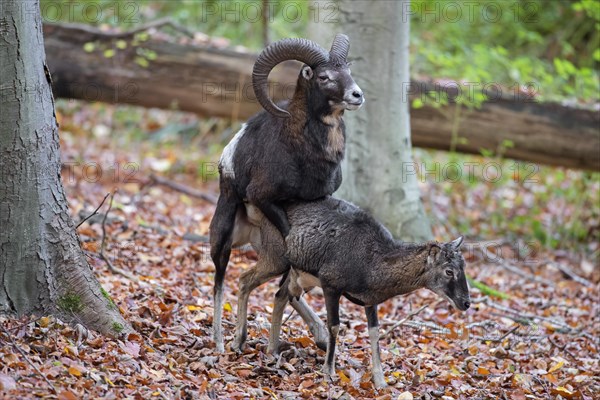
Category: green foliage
[239,21]
[117,327]
[486,290]
[111,303]
[547,47]
[530,47]
[518,200]
[70,302]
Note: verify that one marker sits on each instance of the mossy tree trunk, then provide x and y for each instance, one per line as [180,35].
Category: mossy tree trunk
[42,267]
[378,148]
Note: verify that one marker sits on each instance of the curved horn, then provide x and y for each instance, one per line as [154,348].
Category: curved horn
[339,49]
[302,50]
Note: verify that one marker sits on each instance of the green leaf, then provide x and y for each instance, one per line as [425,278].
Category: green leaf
[417,103]
[508,144]
[109,53]
[142,36]
[121,44]
[89,47]
[142,62]
[151,55]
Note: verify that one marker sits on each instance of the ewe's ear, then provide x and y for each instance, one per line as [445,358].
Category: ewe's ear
[434,255]
[455,244]
[307,73]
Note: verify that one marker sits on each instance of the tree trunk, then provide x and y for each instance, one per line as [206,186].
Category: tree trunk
[217,82]
[42,267]
[378,145]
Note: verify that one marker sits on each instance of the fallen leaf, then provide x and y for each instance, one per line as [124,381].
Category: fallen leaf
[7,382]
[131,348]
[304,341]
[556,367]
[564,392]
[343,376]
[307,384]
[405,396]
[67,395]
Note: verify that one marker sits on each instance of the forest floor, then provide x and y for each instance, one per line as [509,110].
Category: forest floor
[534,241]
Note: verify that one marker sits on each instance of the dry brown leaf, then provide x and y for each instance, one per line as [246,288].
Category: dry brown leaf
[7,382]
[405,396]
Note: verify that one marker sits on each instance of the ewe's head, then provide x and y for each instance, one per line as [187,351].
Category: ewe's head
[327,71]
[446,273]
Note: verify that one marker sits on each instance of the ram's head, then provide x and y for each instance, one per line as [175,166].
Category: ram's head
[326,71]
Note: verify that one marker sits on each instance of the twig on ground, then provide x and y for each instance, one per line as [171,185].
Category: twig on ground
[403,321]
[94,213]
[516,270]
[103,256]
[155,179]
[501,338]
[567,271]
[12,341]
[524,317]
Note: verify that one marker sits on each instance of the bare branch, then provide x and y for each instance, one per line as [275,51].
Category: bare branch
[155,179]
[403,320]
[95,211]
[103,256]
[569,272]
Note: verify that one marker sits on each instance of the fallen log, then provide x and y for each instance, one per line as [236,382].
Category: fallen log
[151,71]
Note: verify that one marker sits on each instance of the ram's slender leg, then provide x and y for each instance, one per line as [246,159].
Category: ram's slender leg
[221,230]
[373,324]
[263,271]
[332,302]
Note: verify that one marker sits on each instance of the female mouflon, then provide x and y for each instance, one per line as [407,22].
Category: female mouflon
[341,248]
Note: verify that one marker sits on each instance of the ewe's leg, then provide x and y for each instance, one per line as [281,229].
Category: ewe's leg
[373,325]
[250,280]
[332,302]
[288,289]
[315,325]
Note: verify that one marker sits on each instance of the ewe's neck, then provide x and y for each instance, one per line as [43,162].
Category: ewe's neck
[408,264]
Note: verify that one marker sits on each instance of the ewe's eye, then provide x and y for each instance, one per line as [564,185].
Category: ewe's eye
[449,272]
[323,78]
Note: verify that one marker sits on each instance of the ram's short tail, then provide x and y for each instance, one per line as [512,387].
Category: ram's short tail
[221,230]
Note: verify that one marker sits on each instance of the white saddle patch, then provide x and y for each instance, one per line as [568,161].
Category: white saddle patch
[226,160]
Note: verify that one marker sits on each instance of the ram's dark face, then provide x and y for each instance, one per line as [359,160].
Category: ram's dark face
[446,274]
[337,85]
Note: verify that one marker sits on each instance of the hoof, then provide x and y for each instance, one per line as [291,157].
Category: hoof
[380,385]
[237,347]
[321,339]
[220,348]
[273,349]
[328,370]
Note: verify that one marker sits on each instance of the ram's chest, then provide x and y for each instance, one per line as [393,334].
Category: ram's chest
[335,137]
